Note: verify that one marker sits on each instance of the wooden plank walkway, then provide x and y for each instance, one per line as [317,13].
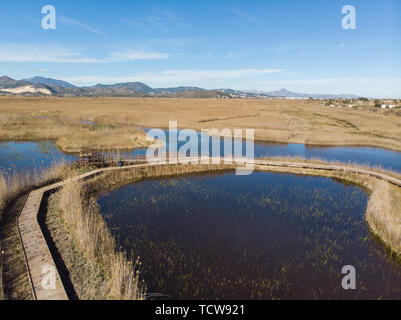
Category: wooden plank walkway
[38,256]
[37,253]
[344,168]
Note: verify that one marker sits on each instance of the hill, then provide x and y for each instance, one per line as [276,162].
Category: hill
[49,86]
[49,82]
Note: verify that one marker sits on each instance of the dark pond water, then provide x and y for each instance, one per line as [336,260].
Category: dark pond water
[262,236]
[28,156]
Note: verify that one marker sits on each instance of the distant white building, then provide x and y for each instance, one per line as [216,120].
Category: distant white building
[390,106]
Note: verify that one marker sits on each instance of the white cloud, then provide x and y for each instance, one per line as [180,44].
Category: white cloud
[79,24]
[56,54]
[197,74]
[161,20]
[246,17]
[131,55]
[26,53]
[175,76]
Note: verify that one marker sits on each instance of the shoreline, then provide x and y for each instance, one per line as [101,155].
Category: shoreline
[256,141]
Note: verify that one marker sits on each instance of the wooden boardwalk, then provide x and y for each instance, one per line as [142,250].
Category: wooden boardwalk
[37,254]
[39,261]
[328,167]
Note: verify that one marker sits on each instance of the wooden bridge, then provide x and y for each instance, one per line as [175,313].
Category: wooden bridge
[88,158]
[39,260]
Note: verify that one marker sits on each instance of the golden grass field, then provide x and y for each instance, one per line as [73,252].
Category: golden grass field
[287,121]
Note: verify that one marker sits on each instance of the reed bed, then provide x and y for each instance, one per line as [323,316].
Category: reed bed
[115,179]
[286,121]
[384,214]
[18,183]
[71,135]
[97,243]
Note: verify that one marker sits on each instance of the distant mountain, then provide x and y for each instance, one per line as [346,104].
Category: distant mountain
[11,86]
[49,86]
[133,86]
[284,93]
[177,89]
[49,82]
[128,89]
[7,82]
[203,93]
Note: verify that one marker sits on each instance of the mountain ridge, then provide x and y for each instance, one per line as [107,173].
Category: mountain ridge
[50,86]
[49,81]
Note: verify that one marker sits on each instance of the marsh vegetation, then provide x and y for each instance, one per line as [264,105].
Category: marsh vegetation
[121,277]
[69,134]
[286,121]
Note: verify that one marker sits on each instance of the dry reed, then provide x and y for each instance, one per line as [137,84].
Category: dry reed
[97,243]
[18,183]
[71,135]
[287,121]
[384,214]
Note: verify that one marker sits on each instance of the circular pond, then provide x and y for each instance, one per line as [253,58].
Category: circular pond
[263,236]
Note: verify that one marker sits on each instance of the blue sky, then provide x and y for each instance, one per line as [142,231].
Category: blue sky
[261,45]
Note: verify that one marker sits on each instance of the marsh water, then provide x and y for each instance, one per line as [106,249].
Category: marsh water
[262,236]
[37,155]
[369,156]
[28,156]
